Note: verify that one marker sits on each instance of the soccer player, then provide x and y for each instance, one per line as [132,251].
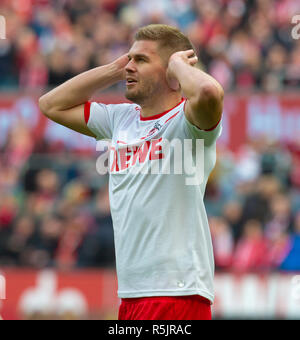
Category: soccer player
[164,254]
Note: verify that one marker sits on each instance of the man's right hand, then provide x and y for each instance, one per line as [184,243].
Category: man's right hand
[121,64]
[65,103]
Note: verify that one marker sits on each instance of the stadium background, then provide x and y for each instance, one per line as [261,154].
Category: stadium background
[56,238]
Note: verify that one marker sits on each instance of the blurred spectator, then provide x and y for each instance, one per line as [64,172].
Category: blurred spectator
[278,248]
[46,242]
[244,44]
[280,220]
[20,241]
[223,242]
[97,248]
[232,212]
[291,261]
[274,159]
[257,201]
[58,68]
[19,145]
[8,210]
[251,249]
[69,242]
[41,201]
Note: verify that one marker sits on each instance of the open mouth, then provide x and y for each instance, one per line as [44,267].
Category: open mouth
[130,82]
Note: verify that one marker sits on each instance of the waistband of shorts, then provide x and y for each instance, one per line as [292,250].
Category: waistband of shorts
[198,298]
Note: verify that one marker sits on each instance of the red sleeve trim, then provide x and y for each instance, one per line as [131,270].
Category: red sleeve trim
[214,126]
[204,129]
[87,111]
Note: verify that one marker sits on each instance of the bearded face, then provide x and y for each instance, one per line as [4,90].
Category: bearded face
[145,73]
[142,90]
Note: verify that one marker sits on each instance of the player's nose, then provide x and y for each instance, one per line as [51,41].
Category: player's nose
[130,67]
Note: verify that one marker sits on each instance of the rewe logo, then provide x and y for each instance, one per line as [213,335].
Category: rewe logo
[2,27]
[155,156]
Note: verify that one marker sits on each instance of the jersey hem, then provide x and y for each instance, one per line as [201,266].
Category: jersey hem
[202,293]
[215,126]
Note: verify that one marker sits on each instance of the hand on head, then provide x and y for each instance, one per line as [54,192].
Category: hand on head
[187,57]
[121,63]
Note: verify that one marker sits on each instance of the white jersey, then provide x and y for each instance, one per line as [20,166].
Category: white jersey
[162,237]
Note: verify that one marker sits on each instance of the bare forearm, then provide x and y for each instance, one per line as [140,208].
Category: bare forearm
[204,94]
[194,82]
[80,89]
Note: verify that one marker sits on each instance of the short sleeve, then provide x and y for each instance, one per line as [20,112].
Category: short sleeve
[209,136]
[99,119]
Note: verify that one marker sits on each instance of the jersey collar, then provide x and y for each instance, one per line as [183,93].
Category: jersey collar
[159,115]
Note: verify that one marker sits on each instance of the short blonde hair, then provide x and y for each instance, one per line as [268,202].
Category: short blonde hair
[170,39]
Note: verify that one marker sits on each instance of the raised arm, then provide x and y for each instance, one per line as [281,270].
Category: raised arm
[65,103]
[204,94]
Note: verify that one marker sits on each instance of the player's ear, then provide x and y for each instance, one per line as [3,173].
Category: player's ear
[172,82]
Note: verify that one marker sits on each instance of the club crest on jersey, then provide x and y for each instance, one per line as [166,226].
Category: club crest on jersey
[157,127]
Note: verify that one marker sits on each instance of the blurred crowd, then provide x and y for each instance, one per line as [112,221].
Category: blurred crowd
[54,207]
[54,210]
[244,44]
[253,203]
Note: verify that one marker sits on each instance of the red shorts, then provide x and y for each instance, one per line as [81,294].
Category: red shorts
[192,307]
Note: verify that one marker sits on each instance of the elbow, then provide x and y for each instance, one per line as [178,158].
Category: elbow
[45,106]
[212,92]
[210,99]
[208,105]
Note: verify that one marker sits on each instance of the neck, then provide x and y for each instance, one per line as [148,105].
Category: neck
[163,104]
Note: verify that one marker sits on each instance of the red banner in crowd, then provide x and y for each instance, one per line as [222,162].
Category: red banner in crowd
[244,117]
[86,293]
[93,294]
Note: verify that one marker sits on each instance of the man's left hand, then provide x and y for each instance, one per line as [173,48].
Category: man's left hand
[187,57]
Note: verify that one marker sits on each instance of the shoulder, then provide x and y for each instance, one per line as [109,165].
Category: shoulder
[98,109]
[113,107]
[192,131]
[124,107]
